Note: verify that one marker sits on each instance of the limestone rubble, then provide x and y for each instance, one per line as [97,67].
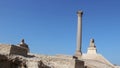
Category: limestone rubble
[9,60]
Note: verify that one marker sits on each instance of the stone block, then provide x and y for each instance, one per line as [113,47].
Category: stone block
[17,50]
[12,49]
[76,64]
[5,49]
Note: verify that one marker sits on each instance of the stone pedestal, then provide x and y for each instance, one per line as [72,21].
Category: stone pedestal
[12,50]
[76,64]
[92,48]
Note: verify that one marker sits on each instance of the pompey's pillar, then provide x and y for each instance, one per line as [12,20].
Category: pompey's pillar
[79,34]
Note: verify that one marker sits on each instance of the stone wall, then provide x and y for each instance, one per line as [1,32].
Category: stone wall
[61,61]
[12,50]
[17,50]
[5,49]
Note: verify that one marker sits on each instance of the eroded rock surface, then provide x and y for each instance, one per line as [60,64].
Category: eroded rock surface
[39,61]
[15,61]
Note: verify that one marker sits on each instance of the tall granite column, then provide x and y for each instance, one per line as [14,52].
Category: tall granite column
[79,34]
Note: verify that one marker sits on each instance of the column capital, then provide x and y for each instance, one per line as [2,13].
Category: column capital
[80,12]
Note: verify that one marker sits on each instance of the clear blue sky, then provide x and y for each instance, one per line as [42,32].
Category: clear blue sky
[49,26]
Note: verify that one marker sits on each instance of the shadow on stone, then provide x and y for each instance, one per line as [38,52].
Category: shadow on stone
[17,62]
[42,65]
[30,56]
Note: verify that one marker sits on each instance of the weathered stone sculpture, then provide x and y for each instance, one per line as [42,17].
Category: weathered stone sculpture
[92,48]
[23,44]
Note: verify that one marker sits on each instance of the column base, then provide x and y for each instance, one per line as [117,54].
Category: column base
[78,54]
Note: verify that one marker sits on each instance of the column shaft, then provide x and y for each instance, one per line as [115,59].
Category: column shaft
[79,34]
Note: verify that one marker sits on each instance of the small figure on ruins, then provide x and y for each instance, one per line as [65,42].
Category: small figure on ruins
[92,48]
[23,44]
